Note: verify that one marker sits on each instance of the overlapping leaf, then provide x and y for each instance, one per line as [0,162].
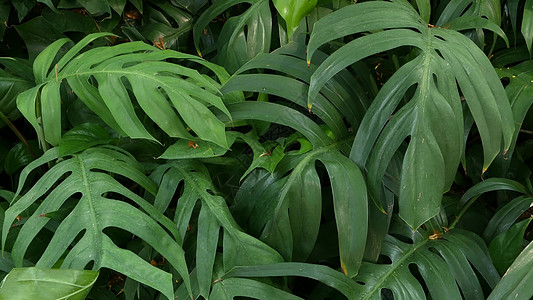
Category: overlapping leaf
[433,118]
[446,265]
[520,94]
[239,248]
[87,174]
[31,283]
[173,96]
[11,85]
[285,210]
[242,37]
[341,97]
[461,10]
[516,283]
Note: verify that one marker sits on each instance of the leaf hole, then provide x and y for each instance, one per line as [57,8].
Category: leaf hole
[413,268]
[384,259]
[386,294]
[505,81]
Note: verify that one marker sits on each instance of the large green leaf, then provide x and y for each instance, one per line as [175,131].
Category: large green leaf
[507,246]
[520,94]
[341,97]
[53,284]
[87,174]
[445,263]
[103,78]
[239,248]
[433,118]
[516,282]
[286,209]
[320,273]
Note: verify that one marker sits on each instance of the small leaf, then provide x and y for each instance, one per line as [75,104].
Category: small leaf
[82,137]
[527,25]
[293,11]
[18,157]
[196,148]
[508,245]
[36,283]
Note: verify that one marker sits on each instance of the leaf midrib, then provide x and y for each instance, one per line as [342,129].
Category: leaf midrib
[398,264]
[88,194]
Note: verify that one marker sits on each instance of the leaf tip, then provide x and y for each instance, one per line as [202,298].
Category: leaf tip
[308,63]
[343,267]
[505,153]
[199,53]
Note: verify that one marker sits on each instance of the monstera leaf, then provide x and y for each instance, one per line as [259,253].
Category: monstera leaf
[286,207]
[88,175]
[103,78]
[238,248]
[432,119]
[446,263]
[242,37]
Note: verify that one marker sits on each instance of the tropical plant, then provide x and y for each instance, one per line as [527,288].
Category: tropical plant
[266,149]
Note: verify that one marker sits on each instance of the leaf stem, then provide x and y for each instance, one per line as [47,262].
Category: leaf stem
[462,212]
[17,133]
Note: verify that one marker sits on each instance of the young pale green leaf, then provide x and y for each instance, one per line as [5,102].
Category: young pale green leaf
[505,247]
[53,284]
[293,11]
[516,282]
[86,174]
[51,112]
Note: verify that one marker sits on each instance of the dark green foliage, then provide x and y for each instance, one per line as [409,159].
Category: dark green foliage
[266,149]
